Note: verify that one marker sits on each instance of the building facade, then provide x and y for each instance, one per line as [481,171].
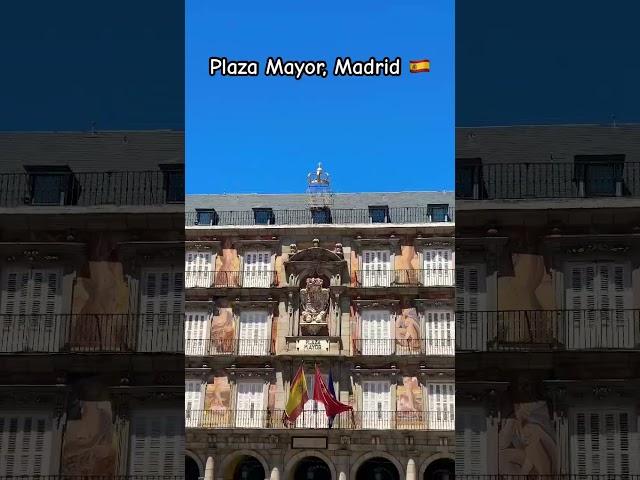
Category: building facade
[359,285]
[91,304]
[547,300]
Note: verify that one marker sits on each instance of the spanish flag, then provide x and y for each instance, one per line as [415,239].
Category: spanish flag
[298,396]
[416,66]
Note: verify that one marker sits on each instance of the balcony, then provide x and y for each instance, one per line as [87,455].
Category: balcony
[338,216]
[548,180]
[92,333]
[273,419]
[230,279]
[548,330]
[404,346]
[230,346]
[404,278]
[91,188]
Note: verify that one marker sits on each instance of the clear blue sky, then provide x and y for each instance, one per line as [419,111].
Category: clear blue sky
[263,134]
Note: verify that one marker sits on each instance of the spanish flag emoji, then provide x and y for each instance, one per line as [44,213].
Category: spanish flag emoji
[417,66]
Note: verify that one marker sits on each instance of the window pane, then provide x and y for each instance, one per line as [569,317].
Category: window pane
[49,189]
[378,214]
[175,186]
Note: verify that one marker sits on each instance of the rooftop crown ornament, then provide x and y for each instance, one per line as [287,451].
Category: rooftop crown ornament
[319,188]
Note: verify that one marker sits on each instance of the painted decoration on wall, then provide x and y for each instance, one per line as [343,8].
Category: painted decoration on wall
[410,406]
[223,330]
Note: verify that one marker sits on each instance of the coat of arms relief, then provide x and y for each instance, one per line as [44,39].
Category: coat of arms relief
[315,307]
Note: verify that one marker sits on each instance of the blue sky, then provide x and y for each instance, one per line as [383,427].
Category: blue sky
[263,134]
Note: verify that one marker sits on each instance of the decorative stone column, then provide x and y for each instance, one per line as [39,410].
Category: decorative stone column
[411,469]
[275,474]
[208,469]
[342,476]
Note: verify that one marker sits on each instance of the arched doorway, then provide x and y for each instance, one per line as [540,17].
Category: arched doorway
[441,469]
[312,468]
[191,469]
[377,468]
[247,467]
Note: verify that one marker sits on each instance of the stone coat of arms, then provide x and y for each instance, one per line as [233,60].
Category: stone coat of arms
[315,302]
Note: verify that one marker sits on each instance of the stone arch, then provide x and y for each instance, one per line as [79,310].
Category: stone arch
[226,461]
[292,462]
[433,458]
[369,455]
[196,460]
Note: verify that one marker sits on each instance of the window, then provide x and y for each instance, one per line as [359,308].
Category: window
[253,335]
[438,213]
[50,185]
[321,215]
[471,295]
[313,413]
[376,268]
[601,442]
[438,267]
[157,445]
[257,269]
[206,217]
[441,406]
[192,402]
[379,214]
[173,182]
[468,177]
[161,306]
[196,333]
[250,404]
[471,439]
[439,334]
[376,332]
[597,295]
[264,216]
[29,307]
[25,442]
[376,404]
[198,269]
[599,175]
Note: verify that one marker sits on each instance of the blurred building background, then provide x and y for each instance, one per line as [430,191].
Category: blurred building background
[548,300]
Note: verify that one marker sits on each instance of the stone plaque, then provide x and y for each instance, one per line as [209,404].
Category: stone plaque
[319,443]
[312,345]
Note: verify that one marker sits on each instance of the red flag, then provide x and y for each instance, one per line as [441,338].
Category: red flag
[321,394]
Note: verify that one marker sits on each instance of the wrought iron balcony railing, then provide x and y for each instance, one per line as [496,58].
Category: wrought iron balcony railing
[91,188]
[338,216]
[368,420]
[535,476]
[91,477]
[548,180]
[526,330]
[230,279]
[399,278]
[229,346]
[404,346]
[92,333]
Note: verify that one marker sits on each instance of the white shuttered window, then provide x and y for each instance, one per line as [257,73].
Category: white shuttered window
[198,269]
[376,405]
[376,332]
[257,269]
[471,442]
[376,268]
[25,443]
[438,267]
[157,443]
[192,402]
[250,411]
[441,406]
[253,337]
[196,333]
[161,303]
[29,307]
[439,327]
[471,299]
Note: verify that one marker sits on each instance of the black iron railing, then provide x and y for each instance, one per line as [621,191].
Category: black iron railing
[525,330]
[547,180]
[91,477]
[229,346]
[310,418]
[89,333]
[403,346]
[91,188]
[230,279]
[535,476]
[338,216]
[400,278]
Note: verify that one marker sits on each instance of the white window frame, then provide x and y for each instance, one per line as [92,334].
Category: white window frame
[438,266]
[380,416]
[258,274]
[378,343]
[472,328]
[441,405]
[471,438]
[376,272]
[193,402]
[160,454]
[199,268]
[439,331]
[16,462]
[253,416]
[197,340]
[251,342]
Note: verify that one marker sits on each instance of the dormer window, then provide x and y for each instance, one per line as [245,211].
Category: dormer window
[173,182]
[206,217]
[50,185]
[438,213]
[264,216]
[321,215]
[379,214]
[599,175]
[468,178]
